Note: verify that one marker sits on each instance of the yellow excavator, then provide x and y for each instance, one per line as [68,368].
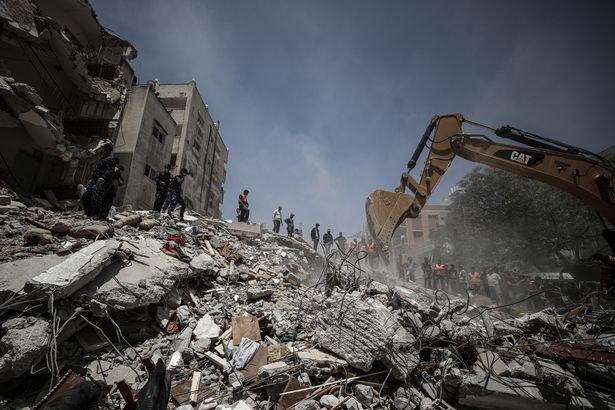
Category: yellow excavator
[581,173]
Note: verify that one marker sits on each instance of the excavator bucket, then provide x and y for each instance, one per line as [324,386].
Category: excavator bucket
[386,211]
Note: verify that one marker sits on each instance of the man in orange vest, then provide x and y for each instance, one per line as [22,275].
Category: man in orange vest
[474,280]
[439,274]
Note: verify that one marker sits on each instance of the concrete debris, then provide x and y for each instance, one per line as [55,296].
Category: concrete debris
[286,325]
[23,345]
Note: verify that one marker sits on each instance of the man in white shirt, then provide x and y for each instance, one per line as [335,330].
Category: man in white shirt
[493,281]
[277,219]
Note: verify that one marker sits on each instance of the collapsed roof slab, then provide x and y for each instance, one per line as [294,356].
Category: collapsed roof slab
[77,271]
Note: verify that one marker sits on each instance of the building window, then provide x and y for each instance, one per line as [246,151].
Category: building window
[150,173]
[200,120]
[158,132]
[173,159]
[197,146]
[418,236]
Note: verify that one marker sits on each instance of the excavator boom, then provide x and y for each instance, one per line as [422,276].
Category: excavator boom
[581,173]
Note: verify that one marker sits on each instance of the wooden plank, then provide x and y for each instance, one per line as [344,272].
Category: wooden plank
[215,359]
[259,360]
[289,400]
[245,326]
[194,388]
[182,392]
[209,247]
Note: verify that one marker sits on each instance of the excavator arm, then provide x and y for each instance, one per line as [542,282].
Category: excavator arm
[579,172]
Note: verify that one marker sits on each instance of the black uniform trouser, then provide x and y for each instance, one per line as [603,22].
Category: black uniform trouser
[161,195]
[315,244]
[290,229]
[244,215]
[276,226]
[177,199]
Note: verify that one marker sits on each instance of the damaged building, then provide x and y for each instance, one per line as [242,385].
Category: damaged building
[63,83]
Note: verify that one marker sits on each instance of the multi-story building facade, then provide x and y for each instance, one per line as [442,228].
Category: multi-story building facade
[413,237]
[198,147]
[144,146]
[63,82]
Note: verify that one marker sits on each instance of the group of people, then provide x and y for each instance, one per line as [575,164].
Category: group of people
[169,191]
[501,286]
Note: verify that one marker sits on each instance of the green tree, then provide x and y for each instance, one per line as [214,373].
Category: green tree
[500,218]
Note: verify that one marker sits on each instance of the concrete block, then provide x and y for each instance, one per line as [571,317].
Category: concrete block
[38,236]
[7,208]
[500,393]
[96,231]
[23,345]
[244,229]
[5,200]
[77,271]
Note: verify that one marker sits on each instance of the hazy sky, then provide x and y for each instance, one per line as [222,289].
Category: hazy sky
[321,101]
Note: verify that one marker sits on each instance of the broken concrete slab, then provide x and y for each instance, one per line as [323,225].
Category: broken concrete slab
[206,328]
[489,362]
[245,229]
[362,332]
[501,393]
[15,274]
[77,270]
[23,345]
[147,281]
[111,373]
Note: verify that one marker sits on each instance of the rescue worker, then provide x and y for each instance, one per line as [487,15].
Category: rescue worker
[164,179]
[453,280]
[495,290]
[439,274]
[474,280]
[109,195]
[277,219]
[607,276]
[176,194]
[290,225]
[315,235]
[463,279]
[327,241]
[98,191]
[427,273]
[341,243]
[244,212]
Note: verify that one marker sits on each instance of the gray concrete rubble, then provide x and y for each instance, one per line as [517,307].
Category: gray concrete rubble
[322,334]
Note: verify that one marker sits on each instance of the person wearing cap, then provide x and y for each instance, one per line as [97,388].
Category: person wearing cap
[327,241]
[164,180]
[290,225]
[176,194]
[243,213]
[315,234]
[99,189]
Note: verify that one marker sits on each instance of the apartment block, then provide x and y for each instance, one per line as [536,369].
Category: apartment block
[197,146]
[413,236]
[144,146]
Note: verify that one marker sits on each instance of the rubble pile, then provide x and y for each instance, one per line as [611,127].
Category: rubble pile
[147,312]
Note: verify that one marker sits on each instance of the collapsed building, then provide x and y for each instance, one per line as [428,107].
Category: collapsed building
[66,83]
[63,83]
[147,312]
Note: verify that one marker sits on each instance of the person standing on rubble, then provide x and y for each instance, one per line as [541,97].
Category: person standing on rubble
[474,280]
[315,235]
[164,179]
[176,194]
[439,273]
[484,281]
[243,207]
[462,278]
[453,279]
[371,253]
[290,225]
[427,273]
[99,187]
[327,241]
[277,219]
[495,289]
[109,196]
[340,241]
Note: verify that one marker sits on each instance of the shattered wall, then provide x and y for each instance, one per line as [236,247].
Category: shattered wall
[53,104]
